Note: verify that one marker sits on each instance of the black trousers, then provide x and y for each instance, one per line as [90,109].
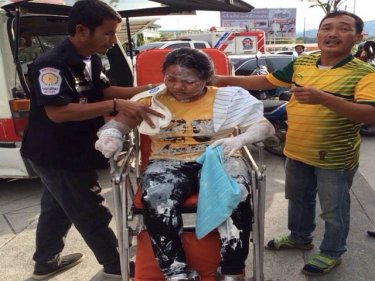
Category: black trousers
[73,198]
[165,185]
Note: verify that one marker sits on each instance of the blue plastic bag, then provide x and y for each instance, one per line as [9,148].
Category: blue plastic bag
[219,194]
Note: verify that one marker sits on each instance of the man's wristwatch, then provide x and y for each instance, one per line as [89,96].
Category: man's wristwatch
[114,110]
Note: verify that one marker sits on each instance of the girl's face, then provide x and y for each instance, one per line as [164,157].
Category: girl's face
[183,83]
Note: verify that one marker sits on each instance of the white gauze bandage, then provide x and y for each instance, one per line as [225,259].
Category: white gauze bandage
[254,133]
[110,138]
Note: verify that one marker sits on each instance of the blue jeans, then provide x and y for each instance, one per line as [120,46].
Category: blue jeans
[302,184]
[73,197]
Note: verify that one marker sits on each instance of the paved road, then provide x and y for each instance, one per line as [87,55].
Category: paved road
[19,207]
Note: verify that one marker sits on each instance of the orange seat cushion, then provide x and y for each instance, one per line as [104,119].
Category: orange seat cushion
[201,255]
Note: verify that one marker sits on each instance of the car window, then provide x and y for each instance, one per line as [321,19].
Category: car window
[35,46]
[277,63]
[245,67]
[178,45]
[150,46]
[200,45]
[273,63]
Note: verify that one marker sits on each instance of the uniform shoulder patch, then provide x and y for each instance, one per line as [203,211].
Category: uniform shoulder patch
[50,81]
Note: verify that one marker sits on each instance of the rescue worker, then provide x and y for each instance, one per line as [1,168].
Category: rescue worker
[70,95]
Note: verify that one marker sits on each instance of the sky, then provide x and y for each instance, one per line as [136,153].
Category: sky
[308,17]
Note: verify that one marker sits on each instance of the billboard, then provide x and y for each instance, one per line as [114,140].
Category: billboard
[275,22]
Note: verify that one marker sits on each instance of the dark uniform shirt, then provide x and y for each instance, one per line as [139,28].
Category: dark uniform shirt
[58,77]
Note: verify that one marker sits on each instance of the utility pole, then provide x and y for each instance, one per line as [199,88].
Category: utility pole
[354,6]
[304,30]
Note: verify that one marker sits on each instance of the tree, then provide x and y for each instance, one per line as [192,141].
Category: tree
[327,6]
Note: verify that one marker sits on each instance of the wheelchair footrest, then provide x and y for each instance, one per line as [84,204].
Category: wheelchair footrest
[202,255]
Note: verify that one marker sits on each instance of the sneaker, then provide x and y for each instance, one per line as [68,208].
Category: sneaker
[43,272]
[285,243]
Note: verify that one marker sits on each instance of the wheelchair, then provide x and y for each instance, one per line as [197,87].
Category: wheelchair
[202,255]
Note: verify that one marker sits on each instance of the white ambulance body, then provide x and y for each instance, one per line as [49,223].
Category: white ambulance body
[13,107]
[29,28]
[38,27]
[234,42]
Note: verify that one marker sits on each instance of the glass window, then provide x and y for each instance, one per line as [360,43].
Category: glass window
[273,63]
[277,63]
[245,67]
[178,45]
[199,46]
[150,46]
[31,47]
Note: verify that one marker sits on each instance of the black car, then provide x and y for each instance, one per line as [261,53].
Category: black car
[246,65]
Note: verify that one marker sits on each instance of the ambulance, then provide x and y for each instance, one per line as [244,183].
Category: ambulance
[30,28]
[234,42]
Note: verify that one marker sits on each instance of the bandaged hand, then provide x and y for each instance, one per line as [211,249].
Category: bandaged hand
[255,132]
[109,142]
[229,145]
[113,124]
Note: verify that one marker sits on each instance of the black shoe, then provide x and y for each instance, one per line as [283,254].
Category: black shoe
[371,233]
[66,262]
[112,275]
[112,271]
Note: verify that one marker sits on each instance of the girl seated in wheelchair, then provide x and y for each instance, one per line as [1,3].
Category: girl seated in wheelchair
[197,116]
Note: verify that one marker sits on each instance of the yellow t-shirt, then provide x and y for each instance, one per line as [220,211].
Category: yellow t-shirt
[317,135]
[190,130]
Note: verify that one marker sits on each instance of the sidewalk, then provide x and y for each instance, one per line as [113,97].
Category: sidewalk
[19,207]
[357,263]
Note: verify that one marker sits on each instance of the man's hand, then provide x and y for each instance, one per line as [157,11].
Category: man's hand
[137,111]
[309,95]
[219,81]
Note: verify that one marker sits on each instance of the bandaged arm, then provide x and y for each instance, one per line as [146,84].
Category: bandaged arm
[255,132]
[110,136]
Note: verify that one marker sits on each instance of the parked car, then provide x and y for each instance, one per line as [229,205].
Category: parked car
[246,65]
[175,44]
[314,52]
[294,53]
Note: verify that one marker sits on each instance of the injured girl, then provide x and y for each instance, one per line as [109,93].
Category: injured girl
[197,116]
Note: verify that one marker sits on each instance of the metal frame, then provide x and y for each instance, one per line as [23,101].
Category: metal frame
[258,190]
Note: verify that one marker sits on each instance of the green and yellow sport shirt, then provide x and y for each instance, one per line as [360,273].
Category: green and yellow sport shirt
[317,135]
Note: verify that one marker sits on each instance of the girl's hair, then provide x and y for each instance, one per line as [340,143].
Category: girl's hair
[192,59]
